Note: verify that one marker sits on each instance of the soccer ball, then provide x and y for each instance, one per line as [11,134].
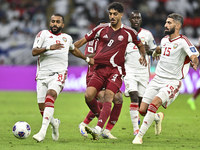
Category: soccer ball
[21,130]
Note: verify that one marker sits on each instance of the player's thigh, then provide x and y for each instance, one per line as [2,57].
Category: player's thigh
[131,84]
[55,84]
[149,94]
[41,91]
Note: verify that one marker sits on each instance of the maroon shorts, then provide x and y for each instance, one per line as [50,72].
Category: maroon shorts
[108,77]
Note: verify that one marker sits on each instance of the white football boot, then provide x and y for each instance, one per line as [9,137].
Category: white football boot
[82,126]
[55,132]
[94,132]
[39,137]
[107,135]
[158,126]
[137,140]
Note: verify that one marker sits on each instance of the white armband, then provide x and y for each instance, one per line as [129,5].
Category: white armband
[87,59]
[48,47]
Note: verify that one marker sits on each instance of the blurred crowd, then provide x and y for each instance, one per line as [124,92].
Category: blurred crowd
[21,20]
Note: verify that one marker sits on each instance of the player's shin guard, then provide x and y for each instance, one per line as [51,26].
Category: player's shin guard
[105,113]
[114,116]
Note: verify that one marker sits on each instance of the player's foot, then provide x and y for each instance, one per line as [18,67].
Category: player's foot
[191,102]
[55,132]
[39,137]
[82,129]
[158,126]
[136,132]
[107,135]
[137,140]
[94,132]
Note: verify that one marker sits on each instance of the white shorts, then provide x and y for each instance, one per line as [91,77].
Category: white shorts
[135,83]
[166,89]
[54,81]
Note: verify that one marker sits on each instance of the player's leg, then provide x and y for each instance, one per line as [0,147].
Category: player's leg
[90,116]
[116,110]
[191,100]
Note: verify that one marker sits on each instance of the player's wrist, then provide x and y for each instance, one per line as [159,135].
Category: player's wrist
[48,47]
[87,59]
[154,54]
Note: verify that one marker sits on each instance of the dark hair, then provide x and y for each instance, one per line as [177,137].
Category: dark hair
[176,17]
[116,6]
[59,16]
[101,21]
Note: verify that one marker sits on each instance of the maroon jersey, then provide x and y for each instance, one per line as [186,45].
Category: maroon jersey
[112,44]
[90,49]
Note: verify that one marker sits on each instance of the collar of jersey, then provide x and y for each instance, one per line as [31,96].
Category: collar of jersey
[53,33]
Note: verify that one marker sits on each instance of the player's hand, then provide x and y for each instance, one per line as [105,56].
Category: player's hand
[57,46]
[193,66]
[143,61]
[155,56]
[91,62]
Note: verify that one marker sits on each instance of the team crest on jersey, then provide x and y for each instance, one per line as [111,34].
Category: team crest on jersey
[127,86]
[120,38]
[142,39]
[64,39]
[175,46]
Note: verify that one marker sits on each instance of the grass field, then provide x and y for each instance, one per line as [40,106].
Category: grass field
[180,125]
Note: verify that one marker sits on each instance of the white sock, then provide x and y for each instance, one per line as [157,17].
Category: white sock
[99,129]
[157,117]
[147,121]
[134,119]
[48,114]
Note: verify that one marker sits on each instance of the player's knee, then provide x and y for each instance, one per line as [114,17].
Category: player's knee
[52,93]
[134,96]
[118,99]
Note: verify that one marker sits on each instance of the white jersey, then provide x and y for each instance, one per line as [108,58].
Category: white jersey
[53,60]
[132,56]
[174,60]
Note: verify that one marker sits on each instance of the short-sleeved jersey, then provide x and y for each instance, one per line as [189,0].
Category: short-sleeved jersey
[112,44]
[132,55]
[53,60]
[174,60]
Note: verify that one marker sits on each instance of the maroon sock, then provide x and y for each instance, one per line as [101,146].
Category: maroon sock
[114,116]
[93,105]
[105,113]
[100,104]
[196,93]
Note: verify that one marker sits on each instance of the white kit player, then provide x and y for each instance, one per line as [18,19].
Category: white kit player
[52,47]
[177,54]
[137,75]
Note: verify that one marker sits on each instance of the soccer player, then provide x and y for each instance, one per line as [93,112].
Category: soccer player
[177,54]
[90,51]
[113,39]
[52,47]
[137,76]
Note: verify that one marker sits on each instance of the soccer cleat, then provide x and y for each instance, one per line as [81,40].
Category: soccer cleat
[136,132]
[93,131]
[107,135]
[158,126]
[191,102]
[39,137]
[82,129]
[137,140]
[55,132]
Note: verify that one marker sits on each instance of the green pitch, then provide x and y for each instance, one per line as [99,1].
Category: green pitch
[180,125]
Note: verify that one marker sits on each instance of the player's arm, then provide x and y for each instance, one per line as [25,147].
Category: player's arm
[37,51]
[195,62]
[156,53]
[142,59]
[76,52]
[91,55]
[80,42]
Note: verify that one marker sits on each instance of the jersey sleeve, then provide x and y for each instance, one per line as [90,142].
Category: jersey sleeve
[71,46]
[151,42]
[93,33]
[189,48]
[39,39]
[135,38]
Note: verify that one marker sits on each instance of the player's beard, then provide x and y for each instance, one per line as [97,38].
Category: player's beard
[57,31]
[170,31]
[114,24]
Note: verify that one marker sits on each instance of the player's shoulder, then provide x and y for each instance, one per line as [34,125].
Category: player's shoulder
[129,29]
[42,33]
[184,38]
[100,26]
[146,31]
